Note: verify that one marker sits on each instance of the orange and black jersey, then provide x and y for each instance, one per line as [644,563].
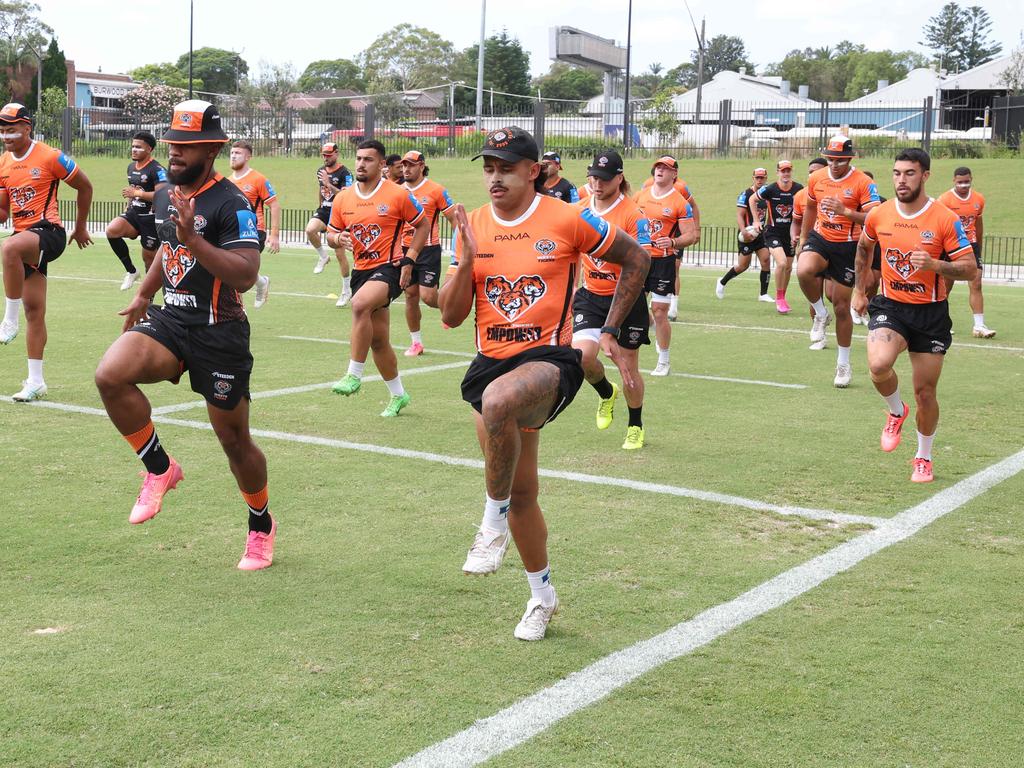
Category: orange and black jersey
[434,200]
[257,190]
[564,190]
[934,229]
[743,200]
[375,221]
[665,215]
[146,178]
[779,213]
[681,187]
[524,273]
[30,183]
[600,276]
[800,203]
[969,209]
[223,218]
[857,191]
[339,177]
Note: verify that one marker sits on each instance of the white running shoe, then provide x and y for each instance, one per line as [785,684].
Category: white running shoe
[766,298]
[855,315]
[719,289]
[661,369]
[129,280]
[843,375]
[321,262]
[982,332]
[344,299]
[534,623]
[818,345]
[8,331]
[29,392]
[262,291]
[819,325]
[487,552]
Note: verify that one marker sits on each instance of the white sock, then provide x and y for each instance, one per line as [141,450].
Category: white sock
[663,356]
[844,356]
[924,446]
[496,514]
[346,285]
[540,586]
[321,250]
[356,369]
[12,311]
[35,371]
[395,386]
[979,319]
[895,402]
[673,306]
[417,337]
[819,308]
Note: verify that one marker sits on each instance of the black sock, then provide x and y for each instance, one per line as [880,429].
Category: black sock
[766,276]
[150,451]
[260,521]
[729,275]
[120,249]
[604,388]
[635,416]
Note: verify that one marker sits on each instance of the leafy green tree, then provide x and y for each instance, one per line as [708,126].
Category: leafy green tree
[21,32]
[49,119]
[332,75]
[683,76]
[153,101]
[165,74]
[872,66]
[1013,77]
[335,112]
[564,81]
[724,53]
[944,36]
[221,71]
[843,72]
[506,69]
[659,118]
[405,58]
[977,48]
[55,73]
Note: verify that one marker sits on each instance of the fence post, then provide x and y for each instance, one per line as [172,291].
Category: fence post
[66,134]
[823,132]
[724,123]
[369,120]
[926,131]
[451,120]
[289,125]
[538,123]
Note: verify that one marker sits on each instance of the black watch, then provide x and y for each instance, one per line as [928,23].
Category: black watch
[611,329]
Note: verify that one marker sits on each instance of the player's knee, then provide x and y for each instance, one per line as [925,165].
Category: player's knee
[879,371]
[496,403]
[233,440]
[107,378]
[924,394]
[524,496]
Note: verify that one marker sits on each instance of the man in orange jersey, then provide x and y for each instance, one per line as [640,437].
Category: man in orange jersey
[672,228]
[30,173]
[923,245]
[969,204]
[590,305]
[209,255]
[426,272]
[515,264]
[369,217]
[257,190]
[838,199]
[684,189]
[799,204]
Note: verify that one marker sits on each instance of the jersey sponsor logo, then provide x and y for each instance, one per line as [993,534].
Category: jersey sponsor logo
[511,237]
[545,246]
[247,225]
[366,234]
[512,299]
[177,262]
[900,262]
[66,162]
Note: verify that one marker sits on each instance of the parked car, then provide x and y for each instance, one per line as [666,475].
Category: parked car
[761,137]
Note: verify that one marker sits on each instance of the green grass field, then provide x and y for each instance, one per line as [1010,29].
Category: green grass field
[364,644]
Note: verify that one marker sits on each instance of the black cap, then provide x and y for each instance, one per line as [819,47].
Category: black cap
[511,144]
[553,157]
[607,165]
[15,113]
[194,122]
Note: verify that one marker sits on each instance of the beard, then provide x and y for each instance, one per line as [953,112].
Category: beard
[186,177]
[910,196]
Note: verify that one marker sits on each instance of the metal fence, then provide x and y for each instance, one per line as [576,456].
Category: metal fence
[1008,120]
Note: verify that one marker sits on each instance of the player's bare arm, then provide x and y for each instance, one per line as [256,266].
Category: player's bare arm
[961,269]
[455,299]
[274,237]
[5,206]
[810,215]
[139,306]
[696,215]
[421,231]
[237,269]
[835,206]
[81,184]
[862,271]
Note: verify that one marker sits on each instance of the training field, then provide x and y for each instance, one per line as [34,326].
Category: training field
[759,586]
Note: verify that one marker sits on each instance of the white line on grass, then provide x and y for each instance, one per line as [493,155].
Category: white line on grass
[579,477]
[431,351]
[525,719]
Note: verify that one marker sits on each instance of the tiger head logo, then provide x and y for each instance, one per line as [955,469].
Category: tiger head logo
[177,262]
[365,235]
[900,262]
[656,227]
[784,211]
[513,299]
[545,246]
[22,196]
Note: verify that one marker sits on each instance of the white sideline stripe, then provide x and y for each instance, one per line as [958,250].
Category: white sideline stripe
[638,485]
[429,351]
[525,719]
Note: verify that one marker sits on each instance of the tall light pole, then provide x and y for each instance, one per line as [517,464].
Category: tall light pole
[625,102]
[480,66]
[191,17]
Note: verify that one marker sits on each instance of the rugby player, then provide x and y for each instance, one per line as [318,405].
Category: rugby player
[591,302]
[799,203]
[30,173]
[395,169]
[332,177]
[144,173]
[969,204]
[257,190]
[684,189]
[426,272]
[751,210]
[838,200]
[373,211]
[209,255]
[515,264]
[923,246]
[779,220]
[554,185]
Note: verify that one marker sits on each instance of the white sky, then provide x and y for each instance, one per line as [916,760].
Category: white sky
[102,33]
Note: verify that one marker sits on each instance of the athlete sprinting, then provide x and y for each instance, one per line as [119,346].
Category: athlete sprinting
[751,212]
[778,223]
[684,189]
[144,174]
[258,191]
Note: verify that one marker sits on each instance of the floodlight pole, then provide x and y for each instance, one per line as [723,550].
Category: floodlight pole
[191,16]
[625,101]
[480,67]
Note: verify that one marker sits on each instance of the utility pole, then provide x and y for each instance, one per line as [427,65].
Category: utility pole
[191,17]
[700,69]
[625,101]
[480,68]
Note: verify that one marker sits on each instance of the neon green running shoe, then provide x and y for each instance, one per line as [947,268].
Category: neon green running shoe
[634,439]
[606,408]
[347,385]
[398,402]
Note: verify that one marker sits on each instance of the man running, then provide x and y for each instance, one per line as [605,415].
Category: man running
[923,246]
[515,264]
[332,177]
[684,189]
[672,228]
[799,204]
[590,305]
[144,173]
[373,211]
[426,272]
[257,190]
[30,173]
[969,204]
[838,200]
[779,220]
[209,255]
[554,185]
[751,210]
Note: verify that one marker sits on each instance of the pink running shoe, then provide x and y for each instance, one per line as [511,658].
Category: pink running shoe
[259,549]
[893,429]
[152,494]
[922,471]
[415,349]
[782,306]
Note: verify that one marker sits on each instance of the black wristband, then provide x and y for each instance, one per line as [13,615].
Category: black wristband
[405,261]
[611,329]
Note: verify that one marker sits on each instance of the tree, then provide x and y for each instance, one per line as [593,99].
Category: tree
[724,53]
[273,85]
[165,74]
[844,72]
[506,69]
[977,48]
[221,71]
[335,112]
[564,81]
[683,76]
[660,119]
[332,75]
[153,102]
[407,57]
[21,31]
[872,66]
[49,119]
[943,34]
[1013,77]
[55,73]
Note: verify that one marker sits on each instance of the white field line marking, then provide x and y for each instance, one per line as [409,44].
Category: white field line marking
[579,477]
[429,351]
[525,719]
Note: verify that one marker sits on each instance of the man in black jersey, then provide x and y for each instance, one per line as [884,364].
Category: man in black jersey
[777,227]
[209,255]
[749,220]
[332,177]
[554,185]
[144,173]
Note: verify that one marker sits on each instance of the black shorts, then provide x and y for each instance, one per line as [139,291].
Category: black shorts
[145,225]
[385,273]
[590,310]
[52,242]
[753,246]
[427,269]
[262,234]
[216,357]
[779,239]
[323,213]
[976,247]
[483,370]
[926,327]
[840,258]
[662,277]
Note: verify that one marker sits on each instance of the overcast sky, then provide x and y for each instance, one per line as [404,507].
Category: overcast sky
[118,36]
